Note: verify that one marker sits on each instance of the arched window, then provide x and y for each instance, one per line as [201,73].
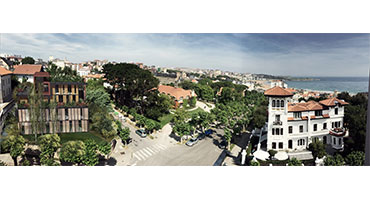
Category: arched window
[277,103]
[273,103]
[282,104]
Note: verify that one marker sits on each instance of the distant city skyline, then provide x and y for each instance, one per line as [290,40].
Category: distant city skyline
[275,54]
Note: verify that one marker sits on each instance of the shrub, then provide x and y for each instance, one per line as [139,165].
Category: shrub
[294,162]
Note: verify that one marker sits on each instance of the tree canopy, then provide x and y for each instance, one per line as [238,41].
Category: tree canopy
[28,60]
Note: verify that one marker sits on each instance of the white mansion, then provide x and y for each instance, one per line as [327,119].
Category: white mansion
[293,126]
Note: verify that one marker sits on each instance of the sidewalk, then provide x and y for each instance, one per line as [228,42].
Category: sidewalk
[234,158]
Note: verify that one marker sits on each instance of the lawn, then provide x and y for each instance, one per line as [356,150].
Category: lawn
[195,111]
[65,137]
[165,119]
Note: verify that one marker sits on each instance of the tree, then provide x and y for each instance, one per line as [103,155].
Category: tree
[102,122]
[105,149]
[192,102]
[49,144]
[73,152]
[180,115]
[294,162]
[150,125]
[15,145]
[12,127]
[355,158]
[317,148]
[259,117]
[90,157]
[125,134]
[336,160]
[181,129]
[156,105]
[130,82]
[204,92]
[227,137]
[254,163]
[28,60]
[202,119]
[98,98]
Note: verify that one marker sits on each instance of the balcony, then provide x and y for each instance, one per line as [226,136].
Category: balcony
[338,132]
[277,123]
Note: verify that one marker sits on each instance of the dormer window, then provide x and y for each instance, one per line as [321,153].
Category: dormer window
[297,115]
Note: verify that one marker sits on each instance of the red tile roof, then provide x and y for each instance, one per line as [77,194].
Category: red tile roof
[27,69]
[4,71]
[326,115]
[298,107]
[333,101]
[278,91]
[175,92]
[290,118]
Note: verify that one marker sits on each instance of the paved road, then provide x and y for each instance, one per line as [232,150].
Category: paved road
[204,153]
[164,150]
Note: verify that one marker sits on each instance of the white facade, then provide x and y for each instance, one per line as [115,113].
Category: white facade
[294,131]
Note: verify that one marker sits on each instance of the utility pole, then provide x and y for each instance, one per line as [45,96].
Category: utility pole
[367,138]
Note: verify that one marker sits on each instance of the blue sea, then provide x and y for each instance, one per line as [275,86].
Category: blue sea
[341,84]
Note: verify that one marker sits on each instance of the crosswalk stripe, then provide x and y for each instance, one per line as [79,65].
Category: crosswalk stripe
[156,148]
[142,152]
[137,157]
[149,149]
[139,154]
[146,151]
[163,146]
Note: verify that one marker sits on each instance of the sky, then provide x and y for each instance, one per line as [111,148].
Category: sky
[275,54]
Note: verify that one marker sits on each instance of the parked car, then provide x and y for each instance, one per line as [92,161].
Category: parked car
[222,144]
[208,132]
[201,136]
[141,133]
[192,142]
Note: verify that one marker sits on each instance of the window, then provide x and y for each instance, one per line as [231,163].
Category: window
[46,88]
[334,142]
[56,88]
[340,141]
[277,131]
[277,103]
[47,126]
[281,131]
[67,98]
[61,126]
[280,145]
[273,131]
[273,103]
[69,88]
[332,125]
[274,145]
[60,98]
[66,114]
[282,103]
[338,124]
[336,111]
[318,112]
[290,129]
[277,118]
[301,128]
[297,115]
[23,129]
[315,127]
[324,126]
[79,126]
[290,144]
[300,142]
[70,126]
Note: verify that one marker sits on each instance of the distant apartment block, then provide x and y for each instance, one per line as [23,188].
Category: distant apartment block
[70,114]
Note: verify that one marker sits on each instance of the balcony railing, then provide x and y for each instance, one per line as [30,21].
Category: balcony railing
[277,123]
[338,131]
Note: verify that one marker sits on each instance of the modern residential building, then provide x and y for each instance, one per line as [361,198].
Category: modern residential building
[70,113]
[177,94]
[26,72]
[293,126]
[5,95]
